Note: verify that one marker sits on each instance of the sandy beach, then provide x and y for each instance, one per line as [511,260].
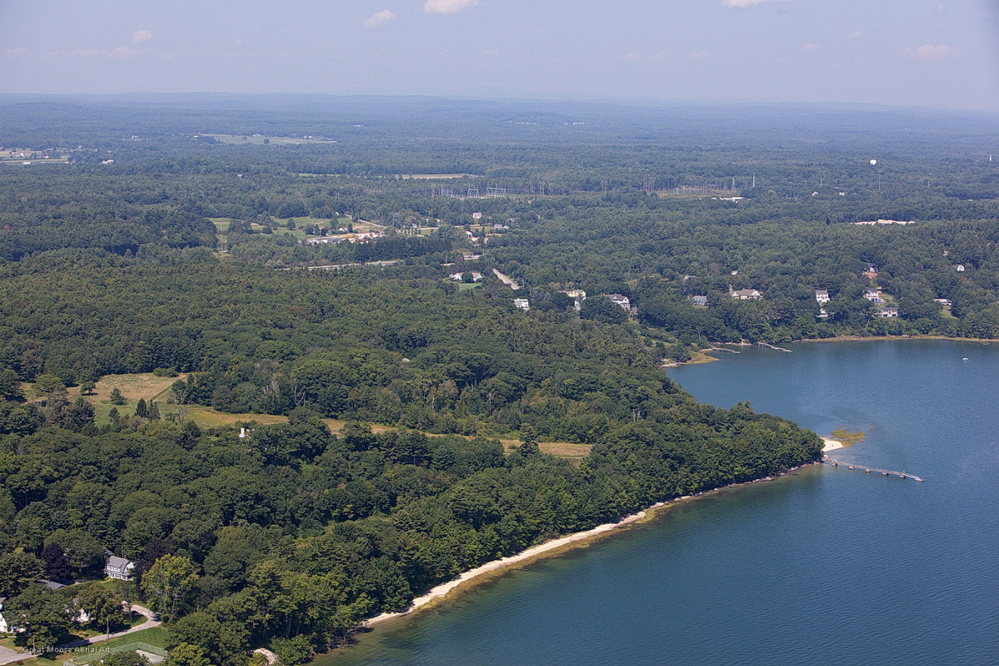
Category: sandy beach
[550,547]
[443,590]
[831,445]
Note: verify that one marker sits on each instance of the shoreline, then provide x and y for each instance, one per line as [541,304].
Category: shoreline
[703,355]
[863,338]
[494,568]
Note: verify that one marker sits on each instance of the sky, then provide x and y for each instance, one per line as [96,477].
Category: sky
[913,53]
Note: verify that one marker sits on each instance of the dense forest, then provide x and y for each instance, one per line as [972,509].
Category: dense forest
[352,259]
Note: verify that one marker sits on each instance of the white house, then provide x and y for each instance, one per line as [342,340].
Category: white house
[119,567]
[4,627]
[822,296]
[621,300]
[522,303]
[700,301]
[578,296]
[746,294]
[873,295]
[887,311]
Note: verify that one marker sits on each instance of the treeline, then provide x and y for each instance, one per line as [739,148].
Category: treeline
[291,536]
[662,263]
[288,537]
[392,345]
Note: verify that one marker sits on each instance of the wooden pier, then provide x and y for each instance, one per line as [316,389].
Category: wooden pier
[770,346]
[871,470]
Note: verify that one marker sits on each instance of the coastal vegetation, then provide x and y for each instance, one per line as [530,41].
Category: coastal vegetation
[162,273]
[848,437]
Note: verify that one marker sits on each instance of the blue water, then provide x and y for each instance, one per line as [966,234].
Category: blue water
[825,566]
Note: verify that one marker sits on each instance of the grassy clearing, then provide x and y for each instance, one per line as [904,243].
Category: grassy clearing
[149,387]
[221,224]
[260,140]
[696,193]
[206,417]
[155,636]
[145,386]
[566,449]
[432,176]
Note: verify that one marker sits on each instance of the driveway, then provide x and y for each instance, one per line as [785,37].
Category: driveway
[8,656]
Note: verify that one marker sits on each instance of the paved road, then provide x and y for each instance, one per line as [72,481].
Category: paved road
[8,656]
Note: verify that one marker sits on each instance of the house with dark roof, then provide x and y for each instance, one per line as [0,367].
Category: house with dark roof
[119,568]
[621,300]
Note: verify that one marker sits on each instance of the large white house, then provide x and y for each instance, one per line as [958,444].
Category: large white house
[119,567]
[746,294]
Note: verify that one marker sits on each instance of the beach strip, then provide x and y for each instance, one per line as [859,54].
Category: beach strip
[831,444]
[442,591]
[535,552]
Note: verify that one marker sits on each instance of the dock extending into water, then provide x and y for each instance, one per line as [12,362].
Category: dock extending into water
[774,347]
[871,470]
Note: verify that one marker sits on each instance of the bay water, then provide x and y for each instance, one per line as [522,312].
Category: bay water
[822,566]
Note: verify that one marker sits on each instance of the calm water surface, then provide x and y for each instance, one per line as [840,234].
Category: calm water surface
[825,566]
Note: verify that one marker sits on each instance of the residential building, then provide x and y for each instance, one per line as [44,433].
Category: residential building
[577,295]
[746,294]
[119,567]
[621,300]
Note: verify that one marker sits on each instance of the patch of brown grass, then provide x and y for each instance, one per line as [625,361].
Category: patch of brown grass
[565,449]
[145,386]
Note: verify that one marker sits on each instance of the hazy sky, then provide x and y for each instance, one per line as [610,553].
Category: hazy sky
[935,53]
